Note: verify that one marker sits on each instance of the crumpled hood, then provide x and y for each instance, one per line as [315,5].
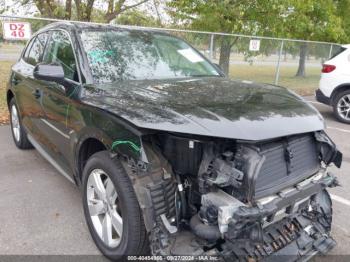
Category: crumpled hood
[212,106]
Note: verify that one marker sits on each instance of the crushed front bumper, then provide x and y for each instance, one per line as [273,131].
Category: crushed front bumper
[296,225]
[291,225]
[296,239]
[295,252]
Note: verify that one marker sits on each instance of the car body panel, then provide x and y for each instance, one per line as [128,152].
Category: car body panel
[215,106]
[329,82]
[56,106]
[24,91]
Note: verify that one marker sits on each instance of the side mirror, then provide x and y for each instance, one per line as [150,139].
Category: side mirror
[49,72]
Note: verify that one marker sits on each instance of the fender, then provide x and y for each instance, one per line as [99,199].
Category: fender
[338,89]
[106,128]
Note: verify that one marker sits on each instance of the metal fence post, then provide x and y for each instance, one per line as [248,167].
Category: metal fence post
[211,47]
[330,51]
[278,63]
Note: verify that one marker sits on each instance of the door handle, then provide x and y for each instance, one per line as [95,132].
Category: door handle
[37,93]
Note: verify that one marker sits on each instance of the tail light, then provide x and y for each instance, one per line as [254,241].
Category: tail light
[328,68]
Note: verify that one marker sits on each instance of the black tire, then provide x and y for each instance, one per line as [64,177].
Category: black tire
[336,99]
[134,239]
[22,142]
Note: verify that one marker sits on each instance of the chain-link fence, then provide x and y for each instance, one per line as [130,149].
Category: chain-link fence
[291,63]
[295,64]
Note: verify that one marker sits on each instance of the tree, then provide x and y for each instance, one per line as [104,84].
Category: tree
[262,17]
[343,7]
[52,9]
[312,20]
[82,10]
[137,18]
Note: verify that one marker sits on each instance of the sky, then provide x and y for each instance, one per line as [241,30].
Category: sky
[13,7]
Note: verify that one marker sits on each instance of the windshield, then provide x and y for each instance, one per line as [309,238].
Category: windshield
[134,55]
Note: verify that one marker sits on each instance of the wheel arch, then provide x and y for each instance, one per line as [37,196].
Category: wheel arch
[339,89]
[9,96]
[91,140]
[89,147]
[88,144]
[157,167]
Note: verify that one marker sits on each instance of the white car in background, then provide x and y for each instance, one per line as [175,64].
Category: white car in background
[334,88]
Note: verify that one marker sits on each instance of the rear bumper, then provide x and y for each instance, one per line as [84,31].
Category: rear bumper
[320,97]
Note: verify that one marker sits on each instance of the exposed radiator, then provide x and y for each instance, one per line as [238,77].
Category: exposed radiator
[286,162]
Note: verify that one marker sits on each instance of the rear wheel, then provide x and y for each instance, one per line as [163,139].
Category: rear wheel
[111,208]
[341,106]
[18,133]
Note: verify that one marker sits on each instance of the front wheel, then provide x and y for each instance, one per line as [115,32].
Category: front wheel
[341,106]
[111,208]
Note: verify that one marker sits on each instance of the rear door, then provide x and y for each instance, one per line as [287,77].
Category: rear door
[27,89]
[58,100]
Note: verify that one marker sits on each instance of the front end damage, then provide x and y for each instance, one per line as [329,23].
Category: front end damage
[236,200]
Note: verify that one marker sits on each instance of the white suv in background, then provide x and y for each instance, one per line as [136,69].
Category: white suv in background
[334,89]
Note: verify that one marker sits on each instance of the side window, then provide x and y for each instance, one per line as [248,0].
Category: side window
[36,50]
[25,56]
[60,50]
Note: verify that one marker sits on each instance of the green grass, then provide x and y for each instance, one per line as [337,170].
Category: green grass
[13,47]
[266,74]
[5,67]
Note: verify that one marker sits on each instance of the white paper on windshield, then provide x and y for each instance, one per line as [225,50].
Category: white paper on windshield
[190,55]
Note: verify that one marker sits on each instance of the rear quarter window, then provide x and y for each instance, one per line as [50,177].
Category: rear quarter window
[337,52]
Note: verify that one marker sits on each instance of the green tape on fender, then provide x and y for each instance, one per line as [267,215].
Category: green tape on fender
[126,142]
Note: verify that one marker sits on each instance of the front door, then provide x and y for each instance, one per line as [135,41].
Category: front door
[58,100]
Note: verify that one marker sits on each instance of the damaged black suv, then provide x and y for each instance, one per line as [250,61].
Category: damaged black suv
[172,157]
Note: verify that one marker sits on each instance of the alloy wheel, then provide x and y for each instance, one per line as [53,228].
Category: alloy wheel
[103,204]
[343,107]
[16,128]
